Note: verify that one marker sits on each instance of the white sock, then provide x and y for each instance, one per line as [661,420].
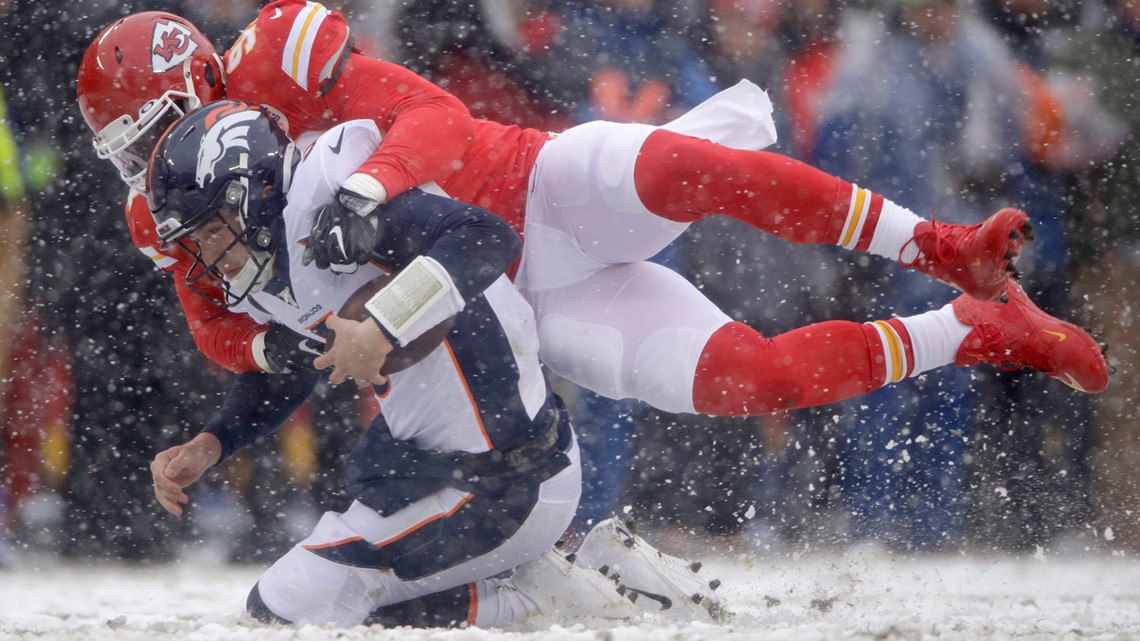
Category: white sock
[893,233]
[935,337]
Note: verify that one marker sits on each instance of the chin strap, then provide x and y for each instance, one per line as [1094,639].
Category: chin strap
[289,161]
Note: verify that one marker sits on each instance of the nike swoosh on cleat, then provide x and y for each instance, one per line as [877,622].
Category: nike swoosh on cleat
[1060,335]
[1072,382]
[336,148]
[634,593]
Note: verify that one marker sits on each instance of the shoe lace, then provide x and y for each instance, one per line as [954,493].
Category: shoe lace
[993,340]
[946,238]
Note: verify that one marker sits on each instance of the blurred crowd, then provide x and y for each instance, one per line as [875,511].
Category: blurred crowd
[952,107]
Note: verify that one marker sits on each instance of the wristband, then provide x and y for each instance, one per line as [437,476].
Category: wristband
[258,348]
[418,298]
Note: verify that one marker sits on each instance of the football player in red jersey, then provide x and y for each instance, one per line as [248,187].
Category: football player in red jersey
[137,77]
[593,202]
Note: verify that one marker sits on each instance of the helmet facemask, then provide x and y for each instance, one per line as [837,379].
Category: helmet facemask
[227,219]
[128,144]
[216,185]
[138,76]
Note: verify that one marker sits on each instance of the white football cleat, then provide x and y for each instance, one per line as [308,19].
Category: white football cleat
[659,583]
[560,588]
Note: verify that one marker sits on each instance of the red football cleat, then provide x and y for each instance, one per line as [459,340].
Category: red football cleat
[976,259]
[1018,334]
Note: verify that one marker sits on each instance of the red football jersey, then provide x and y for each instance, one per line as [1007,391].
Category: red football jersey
[223,336]
[297,58]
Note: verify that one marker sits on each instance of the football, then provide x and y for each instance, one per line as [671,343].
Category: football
[401,357]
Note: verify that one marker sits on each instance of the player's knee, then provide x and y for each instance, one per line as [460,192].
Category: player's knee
[663,369]
[257,608]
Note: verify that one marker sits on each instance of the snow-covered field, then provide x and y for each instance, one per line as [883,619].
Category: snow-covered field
[851,596]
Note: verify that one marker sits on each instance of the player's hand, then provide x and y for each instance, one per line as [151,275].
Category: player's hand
[344,233]
[286,350]
[357,351]
[176,468]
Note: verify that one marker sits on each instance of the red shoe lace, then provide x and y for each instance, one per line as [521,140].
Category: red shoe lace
[993,339]
[946,243]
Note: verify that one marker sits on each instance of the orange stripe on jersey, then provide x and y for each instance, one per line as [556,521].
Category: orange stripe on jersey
[424,522]
[473,606]
[322,546]
[470,397]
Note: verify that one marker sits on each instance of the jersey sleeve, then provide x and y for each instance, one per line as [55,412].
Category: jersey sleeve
[223,336]
[473,245]
[140,222]
[256,405]
[297,57]
[426,130]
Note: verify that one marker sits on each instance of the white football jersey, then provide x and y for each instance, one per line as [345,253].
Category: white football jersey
[438,402]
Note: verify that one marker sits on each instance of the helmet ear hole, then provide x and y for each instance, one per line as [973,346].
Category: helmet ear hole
[211,79]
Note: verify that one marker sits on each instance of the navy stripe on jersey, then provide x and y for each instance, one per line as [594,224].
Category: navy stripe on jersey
[476,528]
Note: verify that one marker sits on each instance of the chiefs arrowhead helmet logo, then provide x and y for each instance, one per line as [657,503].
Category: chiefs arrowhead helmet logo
[171,45]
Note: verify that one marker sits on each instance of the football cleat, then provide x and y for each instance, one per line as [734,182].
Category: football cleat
[560,588]
[659,583]
[977,259]
[1015,333]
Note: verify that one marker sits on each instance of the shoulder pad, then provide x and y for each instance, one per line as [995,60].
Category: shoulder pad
[313,41]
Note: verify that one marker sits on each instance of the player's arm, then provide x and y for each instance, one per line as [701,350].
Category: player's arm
[425,133]
[471,244]
[426,130]
[446,253]
[224,337]
[257,404]
[236,341]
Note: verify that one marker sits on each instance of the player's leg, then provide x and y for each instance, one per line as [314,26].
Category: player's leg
[549,585]
[641,331]
[633,330]
[661,583]
[356,562]
[682,178]
[835,360]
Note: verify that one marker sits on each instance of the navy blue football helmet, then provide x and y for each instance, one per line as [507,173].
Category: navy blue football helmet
[226,157]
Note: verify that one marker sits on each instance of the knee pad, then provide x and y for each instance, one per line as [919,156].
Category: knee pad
[665,366]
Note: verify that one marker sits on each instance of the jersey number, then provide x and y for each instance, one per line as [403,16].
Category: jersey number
[244,45]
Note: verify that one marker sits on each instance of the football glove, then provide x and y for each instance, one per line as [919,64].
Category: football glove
[344,233]
[286,351]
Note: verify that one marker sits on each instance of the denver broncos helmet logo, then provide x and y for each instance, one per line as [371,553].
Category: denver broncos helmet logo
[227,126]
[170,45]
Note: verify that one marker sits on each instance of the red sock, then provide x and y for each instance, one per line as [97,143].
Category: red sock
[742,373]
[685,179]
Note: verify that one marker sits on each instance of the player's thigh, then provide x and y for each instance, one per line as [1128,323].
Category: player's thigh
[634,330]
[584,186]
[357,561]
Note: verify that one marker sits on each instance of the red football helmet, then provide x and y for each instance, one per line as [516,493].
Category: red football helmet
[140,75]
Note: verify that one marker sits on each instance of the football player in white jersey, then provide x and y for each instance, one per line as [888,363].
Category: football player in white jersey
[470,469]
